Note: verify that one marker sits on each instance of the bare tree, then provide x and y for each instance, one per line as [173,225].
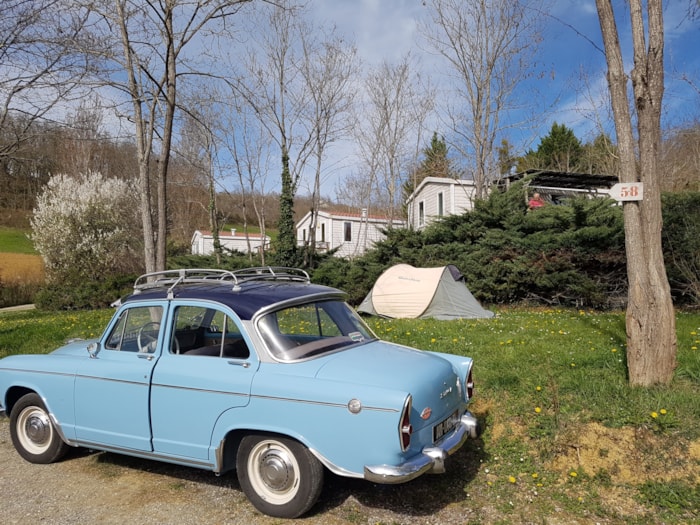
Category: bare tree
[650,319]
[197,149]
[250,150]
[487,44]
[152,36]
[42,68]
[297,86]
[273,87]
[681,160]
[390,134]
[85,137]
[328,69]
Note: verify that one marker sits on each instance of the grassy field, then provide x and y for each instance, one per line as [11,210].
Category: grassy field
[14,240]
[565,437]
[21,268]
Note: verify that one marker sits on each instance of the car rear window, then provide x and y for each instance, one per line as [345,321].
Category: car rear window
[312,329]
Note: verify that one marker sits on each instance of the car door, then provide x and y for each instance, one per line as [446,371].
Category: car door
[207,370]
[112,389]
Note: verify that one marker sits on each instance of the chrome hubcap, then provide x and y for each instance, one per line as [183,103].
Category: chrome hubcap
[276,470]
[37,428]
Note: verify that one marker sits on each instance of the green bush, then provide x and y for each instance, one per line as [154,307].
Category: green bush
[681,241]
[17,292]
[571,254]
[81,295]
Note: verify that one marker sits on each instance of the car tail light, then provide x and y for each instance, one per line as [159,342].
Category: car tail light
[469,384]
[405,427]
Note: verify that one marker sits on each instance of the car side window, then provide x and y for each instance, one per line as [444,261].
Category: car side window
[136,330]
[205,331]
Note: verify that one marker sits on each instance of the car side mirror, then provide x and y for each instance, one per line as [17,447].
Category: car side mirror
[93,349]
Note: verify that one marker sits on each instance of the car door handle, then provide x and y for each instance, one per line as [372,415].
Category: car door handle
[147,357]
[244,364]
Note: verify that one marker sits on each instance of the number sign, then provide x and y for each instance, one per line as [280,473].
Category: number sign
[627,191]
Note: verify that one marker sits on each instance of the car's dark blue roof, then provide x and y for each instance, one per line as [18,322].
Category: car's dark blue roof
[245,299]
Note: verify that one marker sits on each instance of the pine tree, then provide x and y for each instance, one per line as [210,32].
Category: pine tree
[560,150]
[435,164]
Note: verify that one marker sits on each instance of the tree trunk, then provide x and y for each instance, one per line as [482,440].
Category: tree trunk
[650,319]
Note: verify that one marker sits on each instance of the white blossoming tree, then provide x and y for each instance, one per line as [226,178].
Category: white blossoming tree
[87,228]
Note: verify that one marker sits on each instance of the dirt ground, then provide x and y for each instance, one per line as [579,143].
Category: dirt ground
[90,487]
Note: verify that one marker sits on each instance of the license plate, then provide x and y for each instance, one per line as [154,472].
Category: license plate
[445,426]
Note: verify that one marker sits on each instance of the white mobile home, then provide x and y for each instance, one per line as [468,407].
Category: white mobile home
[437,197]
[352,233]
[203,241]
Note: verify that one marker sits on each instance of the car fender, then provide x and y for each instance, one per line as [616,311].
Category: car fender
[22,374]
[316,413]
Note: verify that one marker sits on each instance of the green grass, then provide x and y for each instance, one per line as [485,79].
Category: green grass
[15,240]
[252,228]
[547,383]
[564,434]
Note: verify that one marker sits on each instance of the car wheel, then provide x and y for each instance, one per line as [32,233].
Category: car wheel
[280,476]
[33,433]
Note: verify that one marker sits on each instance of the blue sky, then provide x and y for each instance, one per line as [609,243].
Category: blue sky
[570,87]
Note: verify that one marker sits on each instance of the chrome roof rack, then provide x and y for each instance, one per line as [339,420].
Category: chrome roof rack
[173,278]
[271,273]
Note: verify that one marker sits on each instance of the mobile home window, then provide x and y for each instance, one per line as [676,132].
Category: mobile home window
[440,205]
[347,228]
[421,213]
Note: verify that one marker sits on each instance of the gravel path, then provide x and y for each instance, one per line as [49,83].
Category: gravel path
[106,488]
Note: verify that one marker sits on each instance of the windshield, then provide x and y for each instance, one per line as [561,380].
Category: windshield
[311,329]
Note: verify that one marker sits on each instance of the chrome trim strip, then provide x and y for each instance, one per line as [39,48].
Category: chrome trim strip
[334,468]
[147,455]
[37,372]
[321,403]
[59,430]
[203,390]
[111,380]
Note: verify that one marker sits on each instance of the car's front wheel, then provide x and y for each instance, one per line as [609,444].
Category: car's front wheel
[280,476]
[33,433]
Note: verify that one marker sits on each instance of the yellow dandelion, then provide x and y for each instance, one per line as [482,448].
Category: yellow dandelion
[538,410]
[535,475]
[433,340]
[538,388]
[662,411]
[512,479]
[654,415]
[614,350]
[573,474]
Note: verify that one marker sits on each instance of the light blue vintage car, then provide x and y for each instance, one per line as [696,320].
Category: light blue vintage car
[257,370]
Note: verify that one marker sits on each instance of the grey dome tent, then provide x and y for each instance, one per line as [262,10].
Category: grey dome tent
[404,291]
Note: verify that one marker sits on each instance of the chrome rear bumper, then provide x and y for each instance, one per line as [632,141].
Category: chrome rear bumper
[431,460]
